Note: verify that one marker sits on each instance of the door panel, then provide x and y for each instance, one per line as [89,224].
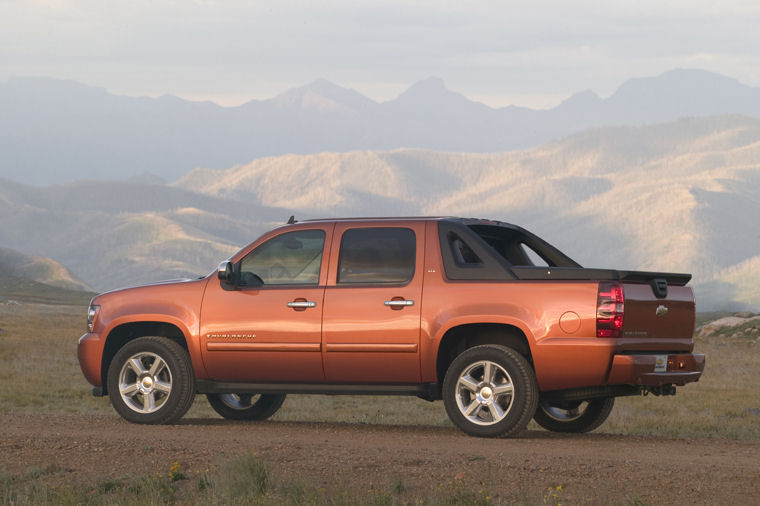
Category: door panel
[255,336]
[270,332]
[371,328]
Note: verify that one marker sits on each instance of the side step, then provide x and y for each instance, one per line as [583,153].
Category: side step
[428,391]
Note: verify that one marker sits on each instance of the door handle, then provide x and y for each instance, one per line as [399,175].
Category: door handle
[302,304]
[399,303]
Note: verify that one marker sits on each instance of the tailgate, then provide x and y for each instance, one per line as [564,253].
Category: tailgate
[649,316]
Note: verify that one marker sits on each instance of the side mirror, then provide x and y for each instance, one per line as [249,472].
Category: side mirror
[225,272]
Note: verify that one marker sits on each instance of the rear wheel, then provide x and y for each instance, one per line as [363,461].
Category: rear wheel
[150,380]
[490,391]
[577,416]
[246,406]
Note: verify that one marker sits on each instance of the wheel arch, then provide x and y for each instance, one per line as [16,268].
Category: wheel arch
[462,337]
[126,332]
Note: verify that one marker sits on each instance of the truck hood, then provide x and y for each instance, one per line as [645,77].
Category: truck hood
[147,288]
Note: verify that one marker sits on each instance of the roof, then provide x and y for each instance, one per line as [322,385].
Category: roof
[377,218]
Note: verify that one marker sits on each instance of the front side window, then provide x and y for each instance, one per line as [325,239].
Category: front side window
[294,258]
[377,255]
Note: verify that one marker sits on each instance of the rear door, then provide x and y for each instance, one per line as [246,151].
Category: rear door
[371,317]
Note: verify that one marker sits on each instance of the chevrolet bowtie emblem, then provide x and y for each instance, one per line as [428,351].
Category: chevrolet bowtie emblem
[661,310]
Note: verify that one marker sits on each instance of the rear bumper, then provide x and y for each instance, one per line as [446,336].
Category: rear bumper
[656,370]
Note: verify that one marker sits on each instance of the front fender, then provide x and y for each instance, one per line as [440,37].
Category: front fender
[177,304]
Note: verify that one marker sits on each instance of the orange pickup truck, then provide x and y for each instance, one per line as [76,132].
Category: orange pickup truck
[488,317]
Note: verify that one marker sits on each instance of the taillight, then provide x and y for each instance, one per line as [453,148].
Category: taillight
[609,310]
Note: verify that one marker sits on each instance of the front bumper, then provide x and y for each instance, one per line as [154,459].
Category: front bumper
[89,352]
[656,370]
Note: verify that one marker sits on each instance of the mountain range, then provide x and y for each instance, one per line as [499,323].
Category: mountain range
[54,131]
[678,196]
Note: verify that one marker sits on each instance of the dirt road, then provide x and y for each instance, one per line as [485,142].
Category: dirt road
[593,467]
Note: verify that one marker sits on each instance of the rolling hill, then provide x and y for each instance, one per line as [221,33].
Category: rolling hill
[28,278]
[679,196]
[113,234]
[39,269]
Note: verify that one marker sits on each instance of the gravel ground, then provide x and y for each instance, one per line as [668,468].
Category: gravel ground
[591,468]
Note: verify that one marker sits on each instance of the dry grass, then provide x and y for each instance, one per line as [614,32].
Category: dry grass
[248,480]
[725,403]
[39,372]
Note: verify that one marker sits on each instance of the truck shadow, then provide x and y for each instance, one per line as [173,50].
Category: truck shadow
[368,428]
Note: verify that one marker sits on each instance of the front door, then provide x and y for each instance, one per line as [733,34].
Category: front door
[371,318]
[270,331]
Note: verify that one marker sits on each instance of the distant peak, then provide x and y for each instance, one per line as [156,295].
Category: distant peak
[431,83]
[582,98]
[426,89]
[319,86]
[304,96]
[677,80]
[323,83]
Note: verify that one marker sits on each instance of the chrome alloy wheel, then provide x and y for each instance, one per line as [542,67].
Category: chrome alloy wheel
[237,401]
[564,414]
[484,393]
[145,382]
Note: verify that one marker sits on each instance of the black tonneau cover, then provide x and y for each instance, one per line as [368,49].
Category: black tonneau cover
[580,273]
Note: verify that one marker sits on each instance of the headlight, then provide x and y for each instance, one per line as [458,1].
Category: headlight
[91,314]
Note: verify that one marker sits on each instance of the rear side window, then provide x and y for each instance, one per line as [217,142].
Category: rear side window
[377,255]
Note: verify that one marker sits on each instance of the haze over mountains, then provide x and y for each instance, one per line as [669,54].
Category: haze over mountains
[55,131]
[678,196]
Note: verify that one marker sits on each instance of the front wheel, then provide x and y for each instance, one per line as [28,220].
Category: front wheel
[490,391]
[150,380]
[578,416]
[246,406]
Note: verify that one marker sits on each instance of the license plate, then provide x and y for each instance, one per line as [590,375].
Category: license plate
[660,363]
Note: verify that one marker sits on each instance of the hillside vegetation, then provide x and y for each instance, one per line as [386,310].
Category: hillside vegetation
[672,197]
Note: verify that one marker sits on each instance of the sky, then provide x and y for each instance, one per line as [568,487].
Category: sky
[533,53]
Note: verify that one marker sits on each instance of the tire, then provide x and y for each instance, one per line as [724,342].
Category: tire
[246,406]
[579,416]
[150,381]
[490,391]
